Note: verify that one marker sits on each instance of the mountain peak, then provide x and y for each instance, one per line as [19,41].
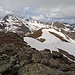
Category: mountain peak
[13,24]
[9,17]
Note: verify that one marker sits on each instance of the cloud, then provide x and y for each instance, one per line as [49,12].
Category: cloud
[42,3]
[52,7]
[69,11]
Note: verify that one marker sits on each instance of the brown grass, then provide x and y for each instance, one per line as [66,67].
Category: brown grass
[58,36]
[35,34]
[41,39]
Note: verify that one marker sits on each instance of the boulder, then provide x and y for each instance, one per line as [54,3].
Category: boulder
[38,69]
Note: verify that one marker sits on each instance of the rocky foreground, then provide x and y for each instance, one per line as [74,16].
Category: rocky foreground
[18,58]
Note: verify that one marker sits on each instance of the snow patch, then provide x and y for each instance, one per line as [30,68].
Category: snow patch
[52,42]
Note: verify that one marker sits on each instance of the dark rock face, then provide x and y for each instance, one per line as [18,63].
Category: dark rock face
[58,25]
[38,69]
[7,17]
[17,58]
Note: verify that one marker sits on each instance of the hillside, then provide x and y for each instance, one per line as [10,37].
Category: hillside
[18,58]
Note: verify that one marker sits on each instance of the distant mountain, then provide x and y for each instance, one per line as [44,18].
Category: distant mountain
[10,23]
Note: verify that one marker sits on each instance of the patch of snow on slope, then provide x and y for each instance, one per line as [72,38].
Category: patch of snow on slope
[34,43]
[52,43]
[62,35]
[49,37]
[38,45]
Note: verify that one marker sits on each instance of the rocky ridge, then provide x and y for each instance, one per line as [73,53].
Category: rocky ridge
[18,58]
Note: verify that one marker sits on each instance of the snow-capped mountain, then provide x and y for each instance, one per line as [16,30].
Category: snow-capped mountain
[56,36]
[51,39]
[14,24]
[10,23]
[35,25]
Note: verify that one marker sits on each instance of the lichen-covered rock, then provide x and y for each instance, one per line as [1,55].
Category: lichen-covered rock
[46,53]
[41,56]
[38,69]
[37,57]
[4,67]
[56,54]
[70,73]
[17,58]
[65,67]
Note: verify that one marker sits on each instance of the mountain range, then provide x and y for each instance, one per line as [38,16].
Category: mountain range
[53,35]
[31,47]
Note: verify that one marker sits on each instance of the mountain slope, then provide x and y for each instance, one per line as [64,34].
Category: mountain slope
[54,40]
[45,50]
[34,25]
[17,58]
[13,24]
[41,35]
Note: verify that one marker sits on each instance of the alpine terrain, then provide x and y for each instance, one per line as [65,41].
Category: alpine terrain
[30,47]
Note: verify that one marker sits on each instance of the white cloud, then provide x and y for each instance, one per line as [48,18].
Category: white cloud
[69,11]
[1,9]
[34,8]
[8,12]
[40,17]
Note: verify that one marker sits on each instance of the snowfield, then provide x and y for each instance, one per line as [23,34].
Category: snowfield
[52,42]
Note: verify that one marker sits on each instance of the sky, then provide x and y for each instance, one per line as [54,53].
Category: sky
[52,7]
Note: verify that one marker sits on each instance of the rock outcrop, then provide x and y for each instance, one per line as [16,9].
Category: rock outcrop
[18,58]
